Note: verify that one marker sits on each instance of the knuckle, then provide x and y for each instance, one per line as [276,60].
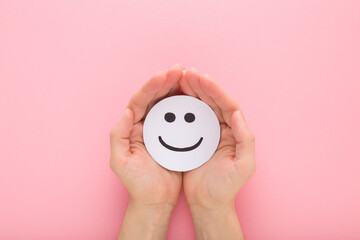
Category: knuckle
[113,132]
[250,137]
[112,165]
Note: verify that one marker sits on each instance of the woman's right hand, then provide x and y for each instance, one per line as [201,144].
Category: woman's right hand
[153,190]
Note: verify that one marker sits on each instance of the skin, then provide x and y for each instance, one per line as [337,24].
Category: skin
[210,190]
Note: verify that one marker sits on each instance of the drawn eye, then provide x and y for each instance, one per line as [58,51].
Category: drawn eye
[189,117]
[169,117]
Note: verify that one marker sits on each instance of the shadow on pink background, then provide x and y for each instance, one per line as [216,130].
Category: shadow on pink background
[68,68]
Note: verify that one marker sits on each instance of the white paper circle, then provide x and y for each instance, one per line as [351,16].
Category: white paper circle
[181,133]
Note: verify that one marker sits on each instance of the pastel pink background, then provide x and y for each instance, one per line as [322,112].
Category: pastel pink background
[68,68]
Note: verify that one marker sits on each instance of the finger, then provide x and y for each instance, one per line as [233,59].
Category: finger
[171,84]
[193,78]
[175,90]
[175,87]
[226,103]
[140,100]
[185,86]
[245,144]
[119,136]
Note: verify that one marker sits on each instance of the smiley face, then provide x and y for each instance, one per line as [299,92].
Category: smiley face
[189,117]
[181,133]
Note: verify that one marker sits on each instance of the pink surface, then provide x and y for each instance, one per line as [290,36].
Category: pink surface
[68,68]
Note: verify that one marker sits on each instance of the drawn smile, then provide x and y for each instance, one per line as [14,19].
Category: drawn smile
[185,149]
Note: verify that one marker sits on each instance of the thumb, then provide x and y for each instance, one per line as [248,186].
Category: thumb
[119,137]
[245,143]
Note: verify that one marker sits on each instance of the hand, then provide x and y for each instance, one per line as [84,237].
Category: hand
[153,190]
[211,189]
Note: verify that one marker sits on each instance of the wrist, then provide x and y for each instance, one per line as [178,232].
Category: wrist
[145,221]
[158,214]
[203,216]
[220,222]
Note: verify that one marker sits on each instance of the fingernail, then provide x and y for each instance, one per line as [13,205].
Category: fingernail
[177,65]
[193,69]
[207,75]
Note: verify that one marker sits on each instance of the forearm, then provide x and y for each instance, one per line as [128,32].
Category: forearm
[217,224]
[145,222]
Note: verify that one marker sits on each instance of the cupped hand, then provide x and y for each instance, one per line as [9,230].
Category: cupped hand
[214,185]
[148,183]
